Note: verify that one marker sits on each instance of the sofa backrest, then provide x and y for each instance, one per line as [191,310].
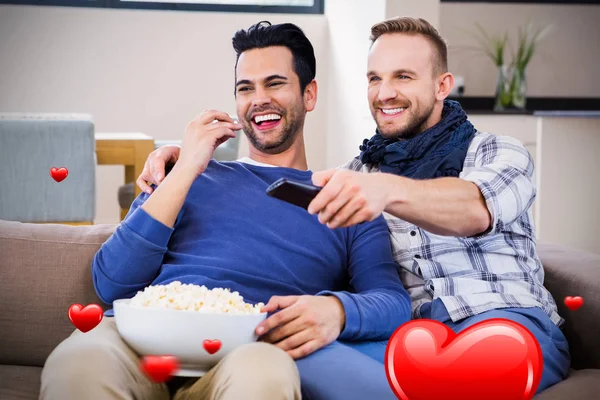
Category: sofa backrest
[44,269]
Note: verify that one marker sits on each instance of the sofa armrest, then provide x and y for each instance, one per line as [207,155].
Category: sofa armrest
[570,272]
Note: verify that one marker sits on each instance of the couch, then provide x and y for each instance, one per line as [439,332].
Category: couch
[46,268]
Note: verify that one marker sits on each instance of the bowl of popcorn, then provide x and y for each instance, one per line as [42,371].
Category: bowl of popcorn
[197,325]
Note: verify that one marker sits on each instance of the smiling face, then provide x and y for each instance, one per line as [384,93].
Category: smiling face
[269,102]
[405,91]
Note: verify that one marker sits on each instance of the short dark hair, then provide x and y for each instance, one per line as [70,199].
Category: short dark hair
[263,34]
[415,26]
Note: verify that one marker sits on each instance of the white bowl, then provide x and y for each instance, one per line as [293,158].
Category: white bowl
[181,333]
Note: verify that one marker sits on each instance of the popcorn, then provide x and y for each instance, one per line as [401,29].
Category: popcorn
[190,297]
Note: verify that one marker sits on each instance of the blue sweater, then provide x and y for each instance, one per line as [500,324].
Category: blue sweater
[230,234]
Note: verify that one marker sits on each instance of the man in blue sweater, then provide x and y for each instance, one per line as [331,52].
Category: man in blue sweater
[212,224]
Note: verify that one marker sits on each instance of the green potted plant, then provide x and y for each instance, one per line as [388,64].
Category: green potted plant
[512,84]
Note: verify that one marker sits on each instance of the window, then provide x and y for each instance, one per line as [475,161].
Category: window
[254,6]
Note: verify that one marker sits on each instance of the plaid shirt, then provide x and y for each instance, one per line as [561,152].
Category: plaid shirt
[497,269]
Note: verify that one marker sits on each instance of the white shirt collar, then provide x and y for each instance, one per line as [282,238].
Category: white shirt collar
[248,160]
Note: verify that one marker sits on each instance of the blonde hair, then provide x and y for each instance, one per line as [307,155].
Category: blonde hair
[415,26]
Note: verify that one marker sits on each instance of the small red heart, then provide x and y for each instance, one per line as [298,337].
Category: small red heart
[159,368]
[496,359]
[59,174]
[85,318]
[212,346]
[573,303]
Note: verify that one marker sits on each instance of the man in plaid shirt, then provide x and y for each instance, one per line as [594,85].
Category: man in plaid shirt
[457,201]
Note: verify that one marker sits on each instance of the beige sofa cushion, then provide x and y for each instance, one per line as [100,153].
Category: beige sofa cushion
[44,269]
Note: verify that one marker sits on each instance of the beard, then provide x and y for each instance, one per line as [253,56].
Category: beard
[416,122]
[285,134]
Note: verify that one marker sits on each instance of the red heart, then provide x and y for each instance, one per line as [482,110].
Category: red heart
[212,346]
[85,318]
[495,359]
[573,303]
[59,174]
[159,368]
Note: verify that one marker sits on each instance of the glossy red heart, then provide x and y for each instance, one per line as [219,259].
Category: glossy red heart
[85,318]
[212,346]
[159,368]
[495,359]
[59,174]
[573,303]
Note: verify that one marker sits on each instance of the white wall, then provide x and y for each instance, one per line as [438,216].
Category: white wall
[427,9]
[568,195]
[135,70]
[565,65]
[349,119]
[152,71]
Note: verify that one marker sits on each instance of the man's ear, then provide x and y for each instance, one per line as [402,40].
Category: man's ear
[445,85]
[310,95]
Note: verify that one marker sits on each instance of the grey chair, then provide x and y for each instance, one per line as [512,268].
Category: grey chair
[228,151]
[32,144]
